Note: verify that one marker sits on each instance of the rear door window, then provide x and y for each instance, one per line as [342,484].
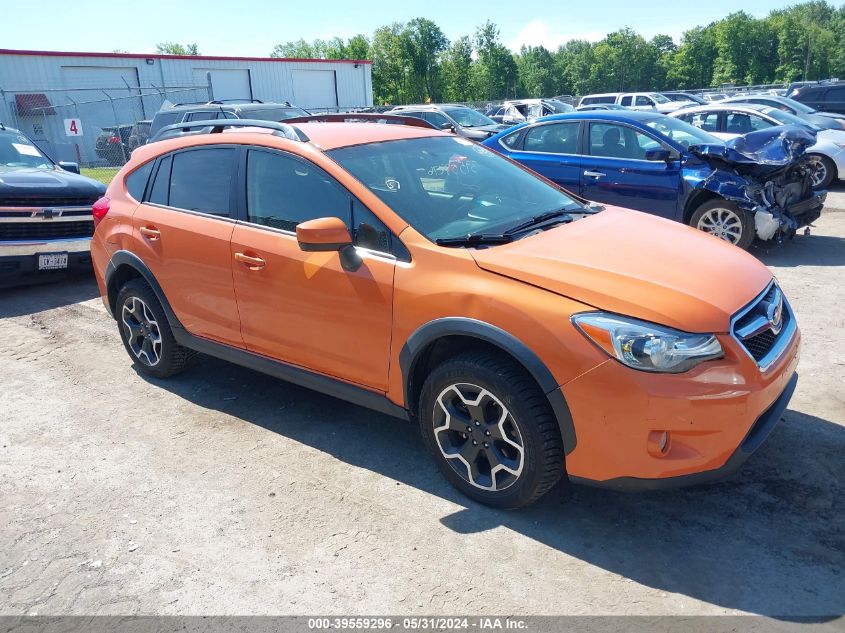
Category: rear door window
[707,121]
[626,100]
[642,100]
[742,123]
[202,116]
[554,138]
[201,180]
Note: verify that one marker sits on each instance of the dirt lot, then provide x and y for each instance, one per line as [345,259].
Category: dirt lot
[224,491]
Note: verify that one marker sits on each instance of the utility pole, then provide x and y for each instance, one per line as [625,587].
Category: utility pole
[807,60]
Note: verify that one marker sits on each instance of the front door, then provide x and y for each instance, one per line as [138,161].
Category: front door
[614,171]
[304,308]
[182,232]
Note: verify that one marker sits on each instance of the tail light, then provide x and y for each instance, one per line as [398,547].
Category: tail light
[100,209]
[114,139]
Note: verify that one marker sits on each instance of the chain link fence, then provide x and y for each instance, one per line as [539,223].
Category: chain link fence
[95,127]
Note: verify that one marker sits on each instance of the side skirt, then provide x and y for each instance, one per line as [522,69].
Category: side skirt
[302,377]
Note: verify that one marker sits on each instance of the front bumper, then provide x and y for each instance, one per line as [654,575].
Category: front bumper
[19,260]
[715,416]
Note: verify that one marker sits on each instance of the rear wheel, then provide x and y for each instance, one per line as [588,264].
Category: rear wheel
[146,334]
[726,221]
[823,171]
[491,430]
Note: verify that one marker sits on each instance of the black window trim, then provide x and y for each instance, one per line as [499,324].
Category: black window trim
[150,178]
[233,209]
[400,253]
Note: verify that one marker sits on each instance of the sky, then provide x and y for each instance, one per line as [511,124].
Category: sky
[253,27]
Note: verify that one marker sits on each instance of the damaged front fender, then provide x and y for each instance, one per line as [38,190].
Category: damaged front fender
[766,174]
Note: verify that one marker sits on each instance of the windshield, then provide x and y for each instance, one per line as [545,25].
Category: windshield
[559,106]
[467,117]
[785,118]
[449,187]
[796,105]
[682,132]
[658,98]
[18,151]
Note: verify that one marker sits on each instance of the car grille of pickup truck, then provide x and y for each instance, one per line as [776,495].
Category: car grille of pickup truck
[45,230]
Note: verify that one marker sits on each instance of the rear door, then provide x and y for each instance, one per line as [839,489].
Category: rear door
[182,233]
[551,149]
[304,308]
[614,170]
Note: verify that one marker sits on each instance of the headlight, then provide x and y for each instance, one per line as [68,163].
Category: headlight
[646,346]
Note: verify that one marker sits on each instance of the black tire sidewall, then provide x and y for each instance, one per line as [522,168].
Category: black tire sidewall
[524,489]
[138,288]
[748,230]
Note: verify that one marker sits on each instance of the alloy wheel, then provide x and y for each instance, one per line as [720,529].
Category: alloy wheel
[723,223]
[142,332]
[478,436]
[818,172]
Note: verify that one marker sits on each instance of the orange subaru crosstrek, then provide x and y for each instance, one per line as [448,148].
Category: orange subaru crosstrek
[530,334]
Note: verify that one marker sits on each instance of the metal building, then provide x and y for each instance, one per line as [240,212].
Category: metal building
[65,100]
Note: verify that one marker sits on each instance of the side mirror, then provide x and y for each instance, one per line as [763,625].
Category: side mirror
[68,166]
[329,234]
[658,153]
[447,127]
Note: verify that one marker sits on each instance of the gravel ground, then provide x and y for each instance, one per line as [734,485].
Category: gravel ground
[224,491]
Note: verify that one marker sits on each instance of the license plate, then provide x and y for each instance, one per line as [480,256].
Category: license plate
[52,261]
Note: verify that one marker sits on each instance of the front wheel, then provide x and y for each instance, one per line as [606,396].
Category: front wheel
[726,221]
[822,171]
[491,430]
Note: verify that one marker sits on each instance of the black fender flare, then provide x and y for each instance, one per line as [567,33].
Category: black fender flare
[125,258]
[461,326]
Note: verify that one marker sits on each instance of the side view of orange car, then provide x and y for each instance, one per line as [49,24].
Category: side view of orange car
[530,335]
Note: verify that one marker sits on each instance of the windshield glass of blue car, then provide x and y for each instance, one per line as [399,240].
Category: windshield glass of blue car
[681,132]
[18,151]
[467,117]
[449,188]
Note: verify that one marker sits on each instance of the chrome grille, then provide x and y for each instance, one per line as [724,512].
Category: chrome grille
[765,326]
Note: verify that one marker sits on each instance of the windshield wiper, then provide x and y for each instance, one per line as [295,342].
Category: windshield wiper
[474,238]
[563,214]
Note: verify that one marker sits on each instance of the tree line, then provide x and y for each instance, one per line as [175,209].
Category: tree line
[414,61]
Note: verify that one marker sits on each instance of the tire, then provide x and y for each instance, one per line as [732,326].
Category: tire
[140,316]
[824,171]
[726,221]
[511,411]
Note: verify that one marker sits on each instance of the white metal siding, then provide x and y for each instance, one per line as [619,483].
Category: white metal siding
[314,88]
[226,83]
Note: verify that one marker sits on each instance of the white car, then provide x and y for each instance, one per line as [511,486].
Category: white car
[735,119]
[635,101]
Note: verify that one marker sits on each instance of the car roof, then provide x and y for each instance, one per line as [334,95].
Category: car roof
[606,115]
[721,106]
[330,136]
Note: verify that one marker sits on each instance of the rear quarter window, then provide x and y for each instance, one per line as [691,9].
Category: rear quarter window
[136,182]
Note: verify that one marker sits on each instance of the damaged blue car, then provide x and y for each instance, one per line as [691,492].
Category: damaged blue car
[755,187]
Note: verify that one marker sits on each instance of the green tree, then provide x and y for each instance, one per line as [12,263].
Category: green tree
[692,64]
[746,50]
[455,71]
[425,43]
[535,71]
[389,55]
[358,47]
[494,74]
[299,49]
[172,48]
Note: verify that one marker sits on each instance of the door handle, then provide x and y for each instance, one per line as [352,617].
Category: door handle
[150,232]
[594,174]
[253,263]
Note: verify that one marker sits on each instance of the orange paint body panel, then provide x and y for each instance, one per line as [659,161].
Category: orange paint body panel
[251,287]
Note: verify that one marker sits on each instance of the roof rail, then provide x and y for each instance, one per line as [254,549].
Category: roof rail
[219,101]
[216,127]
[363,117]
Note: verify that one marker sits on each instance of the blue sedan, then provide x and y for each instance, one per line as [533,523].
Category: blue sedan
[653,163]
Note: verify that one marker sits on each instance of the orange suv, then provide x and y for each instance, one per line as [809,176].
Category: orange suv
[530,334]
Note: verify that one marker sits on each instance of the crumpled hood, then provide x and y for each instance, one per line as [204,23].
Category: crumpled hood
[636,264]
[759,152]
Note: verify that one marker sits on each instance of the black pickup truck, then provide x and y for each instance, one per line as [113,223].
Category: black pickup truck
[46,220]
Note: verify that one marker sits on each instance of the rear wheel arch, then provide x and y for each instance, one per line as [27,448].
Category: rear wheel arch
[125,266]
[442,339]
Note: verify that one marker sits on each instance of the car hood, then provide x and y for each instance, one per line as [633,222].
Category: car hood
[636,264]
[31,182]
[761,152]
[483,131]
